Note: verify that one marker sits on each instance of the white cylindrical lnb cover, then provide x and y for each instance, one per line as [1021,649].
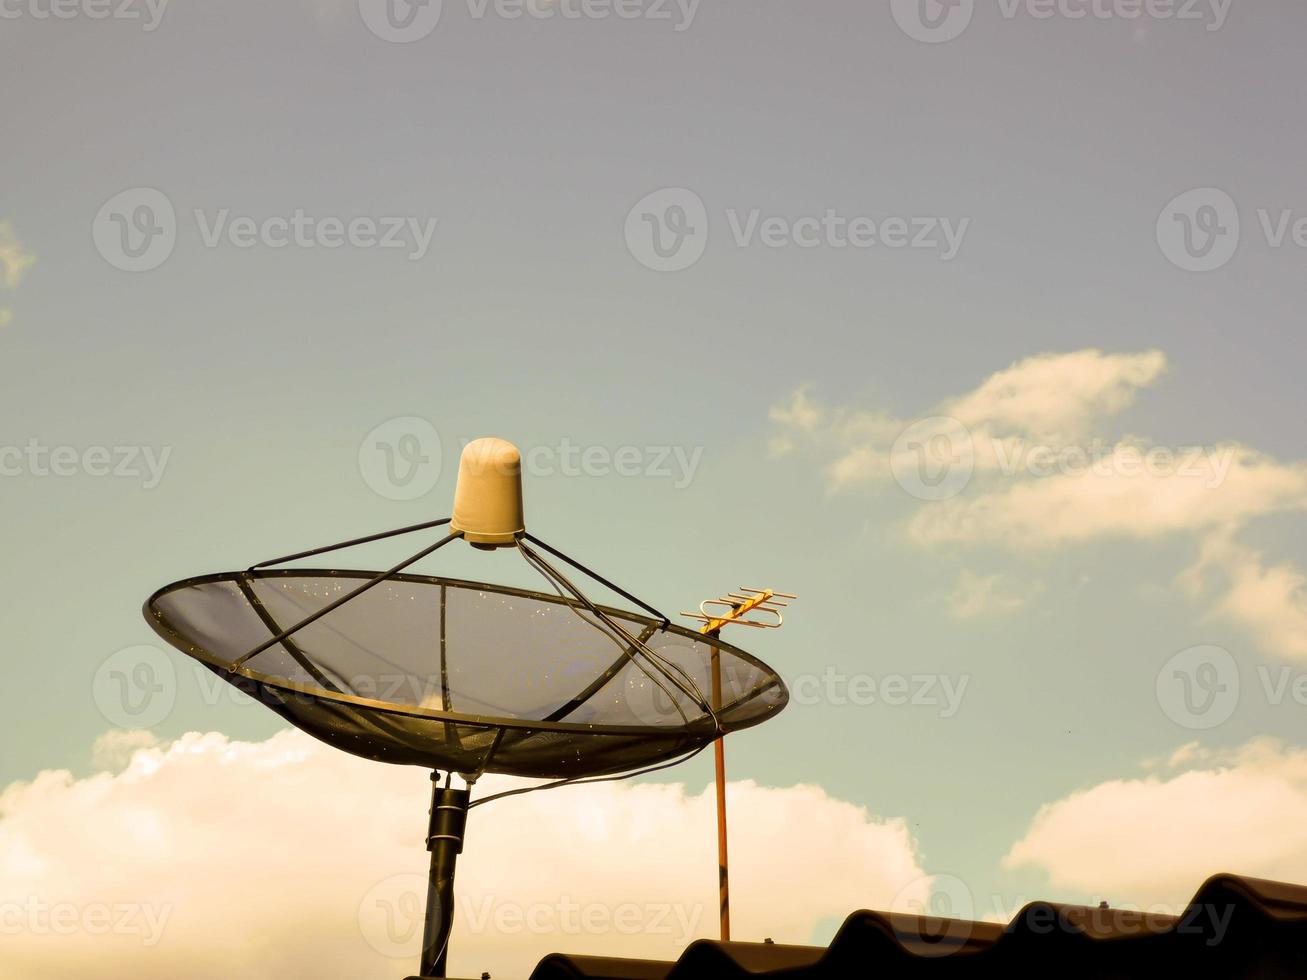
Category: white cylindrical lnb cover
[488,497]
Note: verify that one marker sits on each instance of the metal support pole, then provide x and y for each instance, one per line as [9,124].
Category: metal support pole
[719,759]
[445,842]
[737,605]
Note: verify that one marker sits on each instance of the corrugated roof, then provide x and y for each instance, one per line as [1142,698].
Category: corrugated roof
[1234,927]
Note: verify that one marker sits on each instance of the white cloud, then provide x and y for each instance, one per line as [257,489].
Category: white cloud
[1267,601]
[797,412]
[858,465]
[115,748]
[983,595]
[854,437]
[6,318]
[279,858]
[1155,840]
[1057,398]
[1119,495]
[14,259]
[1025,462]
[1049,398]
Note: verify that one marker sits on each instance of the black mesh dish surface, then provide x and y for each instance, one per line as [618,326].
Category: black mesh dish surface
[463,676]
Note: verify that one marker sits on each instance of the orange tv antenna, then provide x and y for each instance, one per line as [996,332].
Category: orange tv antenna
[760,609]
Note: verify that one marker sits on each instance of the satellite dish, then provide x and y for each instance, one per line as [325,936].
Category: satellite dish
[468,677]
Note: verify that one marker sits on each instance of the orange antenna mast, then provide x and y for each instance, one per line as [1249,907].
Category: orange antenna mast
[760,609]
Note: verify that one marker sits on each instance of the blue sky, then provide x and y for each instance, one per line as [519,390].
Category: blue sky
[1022,192]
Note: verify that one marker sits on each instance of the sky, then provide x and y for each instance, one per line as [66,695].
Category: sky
[977,326]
